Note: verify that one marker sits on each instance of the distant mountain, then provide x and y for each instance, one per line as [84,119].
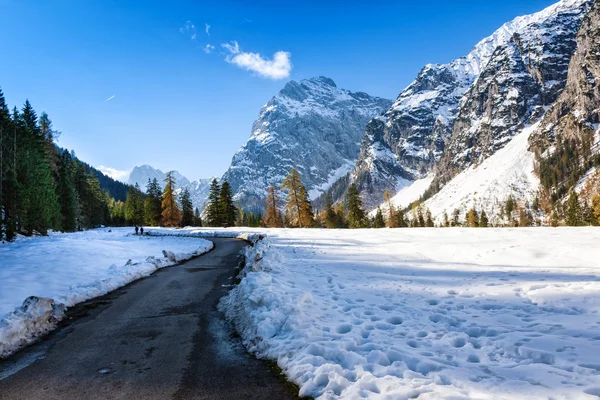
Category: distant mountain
[140,175]
[199,190]
[311,125]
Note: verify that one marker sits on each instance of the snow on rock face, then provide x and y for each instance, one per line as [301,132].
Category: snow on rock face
[426,313]
[458,113]
[508,172]
[523,77]
[140,175]
[311,125]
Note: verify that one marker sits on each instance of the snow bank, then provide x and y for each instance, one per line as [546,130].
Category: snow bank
[248,234]
[62,270]
[427,313]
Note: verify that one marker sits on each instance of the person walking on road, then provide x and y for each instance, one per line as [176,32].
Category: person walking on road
[137,230]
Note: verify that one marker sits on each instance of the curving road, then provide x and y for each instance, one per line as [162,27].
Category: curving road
[158,338]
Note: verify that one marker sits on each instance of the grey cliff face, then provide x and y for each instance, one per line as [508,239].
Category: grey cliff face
[311,125]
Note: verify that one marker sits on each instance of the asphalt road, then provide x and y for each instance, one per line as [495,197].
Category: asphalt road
[158,338]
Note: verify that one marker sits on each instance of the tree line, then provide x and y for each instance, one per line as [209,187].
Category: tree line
[42,186]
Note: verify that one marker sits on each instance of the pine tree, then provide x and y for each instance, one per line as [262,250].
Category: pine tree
[134,206]
[330,220]
[272,218]
[379,222]
[213,214]
[153,203]
[483,220]
[574,215]
[472,218]
[356,214]
[171,215]
[227,210]
[298,208]
[187,208]
[428,219]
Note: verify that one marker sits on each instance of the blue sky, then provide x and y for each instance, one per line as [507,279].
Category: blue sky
[177,107]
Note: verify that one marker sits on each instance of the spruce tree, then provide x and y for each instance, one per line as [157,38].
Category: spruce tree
[40,203]
[330,220]
[187,208]
[272,218]
[483,220]
[420,218]
[574,215]
[66,193]
[356,214]
[171,215]
[213,214]
[298,208]
[401,221]
[227,210]
[428,219]
[134,206]
[379,222]
[153,203]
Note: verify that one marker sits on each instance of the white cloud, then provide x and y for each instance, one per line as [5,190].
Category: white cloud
[233,47]
[208,48]
[277,68]
[207,29]
[110,98]
[114,173]
[190,29]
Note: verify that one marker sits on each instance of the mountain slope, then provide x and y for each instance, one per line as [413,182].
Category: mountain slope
[570,127]
[458,114]
[311,125]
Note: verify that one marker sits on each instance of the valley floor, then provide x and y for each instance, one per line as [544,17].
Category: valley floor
[427,313]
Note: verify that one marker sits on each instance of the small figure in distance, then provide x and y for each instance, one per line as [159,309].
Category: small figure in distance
[137,230]
[142,230]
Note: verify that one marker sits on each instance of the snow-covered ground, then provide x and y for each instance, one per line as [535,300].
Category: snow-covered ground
[427,313]
[71,268]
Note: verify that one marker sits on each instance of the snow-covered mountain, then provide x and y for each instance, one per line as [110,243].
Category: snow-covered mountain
[141,174]
[199,190]
[456,115]
[311,125]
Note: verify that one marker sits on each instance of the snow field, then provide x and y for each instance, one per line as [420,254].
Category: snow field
[65,269]
[427,313]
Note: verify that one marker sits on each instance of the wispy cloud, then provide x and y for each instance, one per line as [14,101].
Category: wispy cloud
[277,68]
[208,48]
[190,29]
[110,98]
[114,173]
[207,29]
